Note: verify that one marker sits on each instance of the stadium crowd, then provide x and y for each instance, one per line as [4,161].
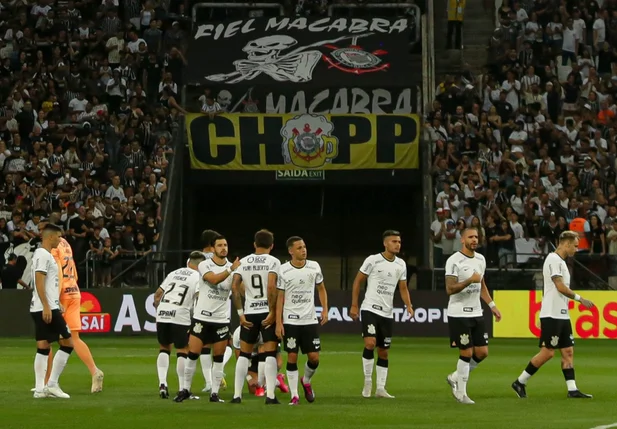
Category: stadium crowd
[87,117]
[527,149]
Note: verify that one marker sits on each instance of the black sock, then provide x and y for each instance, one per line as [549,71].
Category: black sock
[531,369]
[368,354]
[568,373]
[476,359]
[312,364]
[382,362]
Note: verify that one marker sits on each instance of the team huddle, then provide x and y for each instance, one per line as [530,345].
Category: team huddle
[276,307]
[275,303]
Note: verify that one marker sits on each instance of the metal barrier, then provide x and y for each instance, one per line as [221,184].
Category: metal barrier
[224,5]
[499,279]
[133,269]
[417,13]
[528,276]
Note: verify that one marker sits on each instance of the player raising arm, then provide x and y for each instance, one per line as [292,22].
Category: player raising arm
[173,301]
[296,319]
[465,285]
[49,325]
[383,273]
[259,272]
[207,239]
[210,318]
[555,325]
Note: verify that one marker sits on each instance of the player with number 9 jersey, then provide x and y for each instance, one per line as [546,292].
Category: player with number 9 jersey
[254,270]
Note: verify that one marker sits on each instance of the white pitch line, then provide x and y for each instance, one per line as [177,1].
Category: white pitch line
[612,425]
[321,353]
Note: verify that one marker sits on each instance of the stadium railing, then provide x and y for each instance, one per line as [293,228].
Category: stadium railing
[589,272]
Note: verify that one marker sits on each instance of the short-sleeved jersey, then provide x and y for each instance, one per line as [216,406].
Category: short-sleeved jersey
[179,289]
[236,341]
[44,262]
[299,286]
[254,270]
[69,289]
[213,300]
[466,303]
[207,255]
[554,304]
[383,278]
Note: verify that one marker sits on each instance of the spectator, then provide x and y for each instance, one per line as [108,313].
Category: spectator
[83,141]
[540,158]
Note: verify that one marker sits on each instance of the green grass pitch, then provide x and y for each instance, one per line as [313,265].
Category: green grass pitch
[418,368]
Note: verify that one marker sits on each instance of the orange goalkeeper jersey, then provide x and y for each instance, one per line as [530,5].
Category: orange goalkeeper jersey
[68,284]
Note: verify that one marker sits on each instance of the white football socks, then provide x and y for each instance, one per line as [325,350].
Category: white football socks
[162,366]
[242,369]
[60,360]
[271,370]
[462,376]
[40,370]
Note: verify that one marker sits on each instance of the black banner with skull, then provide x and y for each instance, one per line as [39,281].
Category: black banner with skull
[303,53]
[319,101]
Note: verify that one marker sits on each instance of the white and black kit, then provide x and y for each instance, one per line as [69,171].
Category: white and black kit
[44,262]
[383,277]
[465,315]
[555,325]
[211,316]
[254,270]
[299,316]
[173,315]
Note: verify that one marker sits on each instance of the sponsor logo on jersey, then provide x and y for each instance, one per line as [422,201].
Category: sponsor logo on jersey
[170,314]
[258,304]
[93,320]
[256,259]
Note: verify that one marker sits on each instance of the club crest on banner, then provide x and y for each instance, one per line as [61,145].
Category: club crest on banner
[308,141]
[354,59]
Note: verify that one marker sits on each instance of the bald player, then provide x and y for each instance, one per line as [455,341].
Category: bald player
[70,299]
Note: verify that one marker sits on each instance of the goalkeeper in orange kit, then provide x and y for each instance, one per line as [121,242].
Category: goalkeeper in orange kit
[70,300]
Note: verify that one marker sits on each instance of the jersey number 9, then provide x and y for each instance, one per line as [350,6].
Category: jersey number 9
[257,283]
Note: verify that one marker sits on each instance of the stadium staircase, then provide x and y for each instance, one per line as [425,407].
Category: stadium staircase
[477,29]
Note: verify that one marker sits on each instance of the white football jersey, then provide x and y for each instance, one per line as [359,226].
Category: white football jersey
[299,286]
[44,262]
[213,300]
[179,288]
[207,255]
[554,304]
[466,303]
[254,270]
[236,341]
[383,278]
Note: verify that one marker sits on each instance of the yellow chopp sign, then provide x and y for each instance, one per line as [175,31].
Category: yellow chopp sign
[520,312]
[304,141]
